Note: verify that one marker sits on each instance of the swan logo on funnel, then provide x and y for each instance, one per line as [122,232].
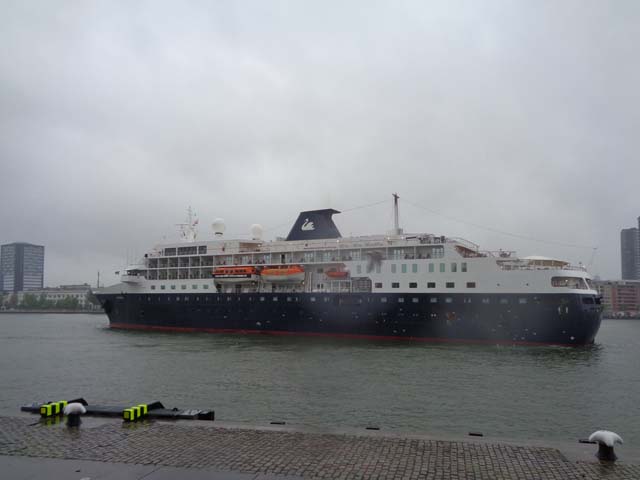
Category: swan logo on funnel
[307,226]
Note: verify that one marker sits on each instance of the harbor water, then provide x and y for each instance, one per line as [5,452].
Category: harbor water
[519,393]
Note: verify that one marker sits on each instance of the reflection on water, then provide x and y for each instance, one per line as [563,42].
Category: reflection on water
[518,392]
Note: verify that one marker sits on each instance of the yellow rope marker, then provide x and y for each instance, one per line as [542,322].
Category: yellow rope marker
[45,410]
[134,413]
[52,408]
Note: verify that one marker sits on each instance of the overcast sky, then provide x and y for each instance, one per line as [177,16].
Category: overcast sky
[518,116]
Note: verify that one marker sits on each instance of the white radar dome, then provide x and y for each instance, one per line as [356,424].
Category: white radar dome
[218,226]
[256,231]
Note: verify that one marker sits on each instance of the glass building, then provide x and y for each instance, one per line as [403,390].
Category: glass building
[21,267]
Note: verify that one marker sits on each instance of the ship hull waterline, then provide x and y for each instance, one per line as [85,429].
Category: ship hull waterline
[554,319]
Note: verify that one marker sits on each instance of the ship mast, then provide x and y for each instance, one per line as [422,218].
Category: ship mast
[396,222]
[188,232]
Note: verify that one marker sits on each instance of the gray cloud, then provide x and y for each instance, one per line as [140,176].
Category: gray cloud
[116,116]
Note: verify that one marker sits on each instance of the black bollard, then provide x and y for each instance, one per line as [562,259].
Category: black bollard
[73,411]
[606,453]
[73,420]
[606,440]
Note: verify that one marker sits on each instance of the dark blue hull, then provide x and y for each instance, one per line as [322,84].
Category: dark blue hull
[505,319]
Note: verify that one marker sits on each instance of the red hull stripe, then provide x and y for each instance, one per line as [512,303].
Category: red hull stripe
[159,328]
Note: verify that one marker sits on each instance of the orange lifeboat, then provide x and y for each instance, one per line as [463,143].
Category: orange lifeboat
[235,274]
[283,274]
[337,274]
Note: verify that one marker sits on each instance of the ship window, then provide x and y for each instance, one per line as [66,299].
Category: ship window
[431,268]
[383,299]
[450,285]
[431,284]
[448,300]
[400,300]
[463,267]
[433,300]
[467,300]
[454,267]
[442,268]
[395,285]
[186,299]
[177,299]
[205,287]
[588,300]
[590,284]
[471,284]
[569,282]
[414,268]
[393,268]
[320,270]
[413,285]
[262,299]
[313,299]
[404,268]
[415,300]
[153,287]
[184,287]
[486,300]
[162,287]
[275,299]
[504,301]
[169,251]
[522,301]
[378,285]
[288,299]
[202,249]
[195,287]
[173,287]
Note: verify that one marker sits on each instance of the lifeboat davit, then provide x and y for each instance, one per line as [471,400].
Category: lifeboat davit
[235,274]
[336,274]
[283,274]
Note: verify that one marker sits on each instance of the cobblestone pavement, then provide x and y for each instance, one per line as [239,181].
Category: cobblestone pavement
[308,455]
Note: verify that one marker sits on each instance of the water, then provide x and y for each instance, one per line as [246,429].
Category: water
[507,392]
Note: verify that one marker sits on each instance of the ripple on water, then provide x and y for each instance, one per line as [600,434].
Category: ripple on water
[517,392]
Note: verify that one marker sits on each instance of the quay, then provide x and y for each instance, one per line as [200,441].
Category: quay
[154,450]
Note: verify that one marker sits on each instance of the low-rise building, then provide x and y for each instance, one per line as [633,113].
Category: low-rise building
[620,298]
[58,296]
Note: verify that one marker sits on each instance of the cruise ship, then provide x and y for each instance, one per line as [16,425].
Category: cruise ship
[314,282]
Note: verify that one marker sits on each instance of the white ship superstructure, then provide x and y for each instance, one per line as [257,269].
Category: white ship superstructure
[314,260]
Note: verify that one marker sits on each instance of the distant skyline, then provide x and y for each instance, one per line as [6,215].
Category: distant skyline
[517,116]
[630,252]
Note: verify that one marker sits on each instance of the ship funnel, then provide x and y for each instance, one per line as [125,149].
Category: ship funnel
[313,225]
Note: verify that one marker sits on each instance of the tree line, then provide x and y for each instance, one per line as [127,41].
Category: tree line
[40,302]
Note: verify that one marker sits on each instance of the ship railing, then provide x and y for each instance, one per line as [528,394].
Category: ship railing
[515,265]
[364,242]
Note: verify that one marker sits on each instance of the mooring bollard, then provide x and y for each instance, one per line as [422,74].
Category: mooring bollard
[73,412]
[606,440]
